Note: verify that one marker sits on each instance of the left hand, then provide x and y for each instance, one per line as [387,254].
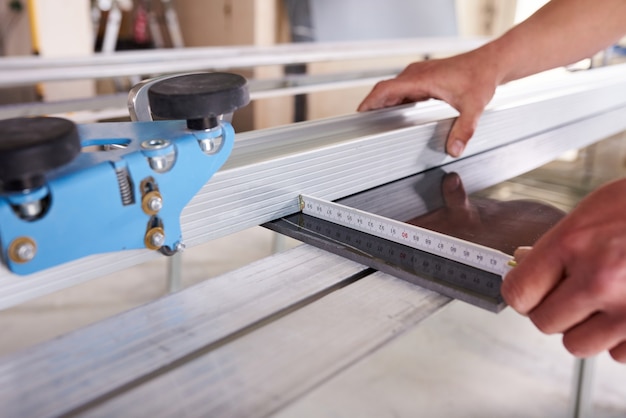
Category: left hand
[467,82]
[573,281]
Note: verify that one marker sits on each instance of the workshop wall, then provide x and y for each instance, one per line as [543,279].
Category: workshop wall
[15,40]
[264,22]
[241,22]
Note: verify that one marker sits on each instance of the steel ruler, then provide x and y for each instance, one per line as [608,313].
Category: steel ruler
[442,275]
[432,242]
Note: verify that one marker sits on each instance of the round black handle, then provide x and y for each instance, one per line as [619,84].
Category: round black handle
[199,98]
[30,147]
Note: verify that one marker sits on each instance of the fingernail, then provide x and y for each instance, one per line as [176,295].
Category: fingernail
[456,148]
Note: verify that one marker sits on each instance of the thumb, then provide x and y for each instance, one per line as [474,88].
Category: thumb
[521,253]
[462,130]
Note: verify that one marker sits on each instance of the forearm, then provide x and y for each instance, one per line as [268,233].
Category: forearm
[560,33]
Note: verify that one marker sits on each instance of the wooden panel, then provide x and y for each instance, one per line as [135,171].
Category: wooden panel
[241,22]
[64,28]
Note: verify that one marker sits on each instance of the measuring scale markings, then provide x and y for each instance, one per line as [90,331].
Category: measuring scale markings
[422,239]
[426,269]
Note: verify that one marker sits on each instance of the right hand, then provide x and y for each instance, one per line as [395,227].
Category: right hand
[467,82]
[573,281]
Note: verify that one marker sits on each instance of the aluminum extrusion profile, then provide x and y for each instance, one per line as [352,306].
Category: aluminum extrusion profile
[114,105]
[30,70]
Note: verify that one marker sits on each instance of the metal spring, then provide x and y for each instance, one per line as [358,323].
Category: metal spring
[126,190]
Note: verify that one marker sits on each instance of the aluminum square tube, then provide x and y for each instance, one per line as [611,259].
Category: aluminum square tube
[17,71]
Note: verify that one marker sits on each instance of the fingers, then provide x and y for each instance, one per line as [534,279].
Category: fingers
[389,93]
[598,333]
[525,286]
[564,307]
[521,253]
[619,352]
[463,129]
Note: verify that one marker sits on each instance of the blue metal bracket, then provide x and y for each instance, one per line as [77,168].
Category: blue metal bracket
[125,190]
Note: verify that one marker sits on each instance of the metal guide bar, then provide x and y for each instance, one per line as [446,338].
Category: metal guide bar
[432,242]
[442,275]
[20,71]
[115,105]
[338,157]
[285,53]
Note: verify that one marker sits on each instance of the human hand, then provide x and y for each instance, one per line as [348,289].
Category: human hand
[467,82]
[573,281]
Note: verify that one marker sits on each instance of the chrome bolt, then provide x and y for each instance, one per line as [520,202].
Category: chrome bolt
[160,164]
[155,203]
[210,140]
[155,144]
[157,239]
[207,145]
[160,153]
[25,251]
[180,247]
[30,210]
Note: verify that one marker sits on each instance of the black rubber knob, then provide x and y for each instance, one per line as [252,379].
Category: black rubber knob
[30,147]
[198,98]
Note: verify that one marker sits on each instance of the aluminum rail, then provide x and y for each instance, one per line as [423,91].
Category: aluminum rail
[31,70]
[338,157]
[115,105]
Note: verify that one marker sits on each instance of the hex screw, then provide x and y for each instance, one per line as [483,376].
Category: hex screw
[155,144]
[22,250]
[180,247]
[155,203]
[152,202]
[155,238]
[160,163]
